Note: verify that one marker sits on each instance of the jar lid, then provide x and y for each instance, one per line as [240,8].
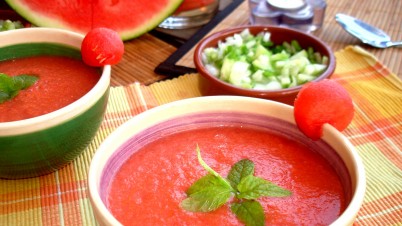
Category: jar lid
[287,4]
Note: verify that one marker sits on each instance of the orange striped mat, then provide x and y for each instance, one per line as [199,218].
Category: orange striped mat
[61,198]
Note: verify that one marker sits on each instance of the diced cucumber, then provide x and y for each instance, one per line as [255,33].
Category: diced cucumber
[226,69]
[253,61]
[314,69]
[246,35]
[285,82]
[258,76]
[210,55]
[303,78]
[272,85]
[301,54]
[280,64]
[319,68]
[280,56]
[212,70]
[6,25]
[261,50]
[262,62]
[240,73]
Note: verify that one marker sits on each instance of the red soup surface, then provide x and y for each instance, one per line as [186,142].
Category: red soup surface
[62,80]
[148,188]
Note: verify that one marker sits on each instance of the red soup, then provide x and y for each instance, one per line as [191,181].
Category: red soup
[62,80]
[148,188]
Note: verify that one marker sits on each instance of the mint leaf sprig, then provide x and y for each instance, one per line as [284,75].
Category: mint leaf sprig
[209,192]
[212,191]
[11,85]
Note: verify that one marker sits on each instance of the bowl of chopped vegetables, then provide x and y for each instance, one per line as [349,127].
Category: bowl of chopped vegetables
[261,61]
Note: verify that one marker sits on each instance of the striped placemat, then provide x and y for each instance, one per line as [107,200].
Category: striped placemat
[61,198]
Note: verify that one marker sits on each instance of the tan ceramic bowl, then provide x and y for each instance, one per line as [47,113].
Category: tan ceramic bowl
[179,115]
[211,85]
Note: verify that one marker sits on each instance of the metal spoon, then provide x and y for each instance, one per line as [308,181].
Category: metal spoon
[366,33]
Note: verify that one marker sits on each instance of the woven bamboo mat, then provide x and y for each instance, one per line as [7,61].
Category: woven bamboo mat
[385,14]
[144,54]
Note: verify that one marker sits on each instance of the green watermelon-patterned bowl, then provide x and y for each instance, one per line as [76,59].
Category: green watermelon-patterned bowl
[43,144]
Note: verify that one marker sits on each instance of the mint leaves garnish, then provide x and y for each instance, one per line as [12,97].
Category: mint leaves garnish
[239,171]
[209,192]
[11,85]
[249,211]
[212,191]
[252,187]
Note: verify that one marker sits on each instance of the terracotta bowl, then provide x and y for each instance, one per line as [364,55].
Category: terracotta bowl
[43,144]
[211,85]
[194,112]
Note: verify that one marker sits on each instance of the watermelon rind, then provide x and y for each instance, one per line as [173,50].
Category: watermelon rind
[130,18]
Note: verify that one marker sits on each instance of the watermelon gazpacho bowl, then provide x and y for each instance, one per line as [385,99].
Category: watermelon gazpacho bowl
[47,125]
[145,171]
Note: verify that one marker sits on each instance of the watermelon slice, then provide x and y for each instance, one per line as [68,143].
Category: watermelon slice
[130,18]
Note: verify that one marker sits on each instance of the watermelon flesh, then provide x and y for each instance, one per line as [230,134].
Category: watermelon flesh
[322,102]
[129,18]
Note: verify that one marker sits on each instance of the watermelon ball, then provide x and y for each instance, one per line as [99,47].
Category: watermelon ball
[102,46]
[321,102]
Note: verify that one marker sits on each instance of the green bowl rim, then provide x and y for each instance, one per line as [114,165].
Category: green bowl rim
[57,36]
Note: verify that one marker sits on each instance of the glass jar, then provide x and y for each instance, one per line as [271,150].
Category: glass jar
[191,13]
[304,15]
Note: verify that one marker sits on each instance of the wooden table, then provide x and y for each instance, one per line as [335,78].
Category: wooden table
[61,198]
[145,53]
